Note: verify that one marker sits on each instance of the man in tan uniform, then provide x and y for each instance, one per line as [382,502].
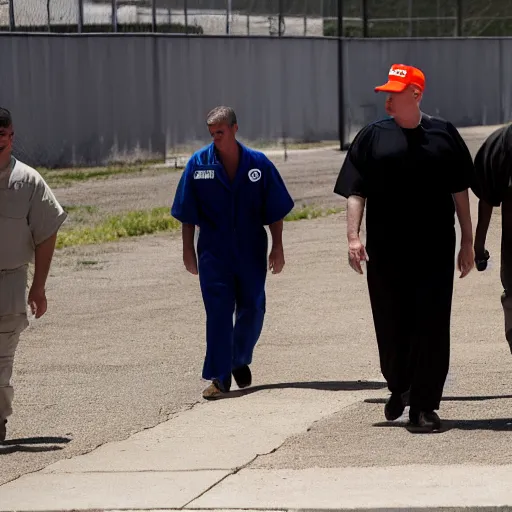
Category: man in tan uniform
[30,217]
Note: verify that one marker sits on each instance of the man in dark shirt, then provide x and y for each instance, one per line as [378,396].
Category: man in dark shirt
[412,171]
[493,186]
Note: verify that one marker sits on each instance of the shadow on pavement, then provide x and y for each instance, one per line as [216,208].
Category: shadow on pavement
[358,385]
[451,399]
[33,445]
[495,424]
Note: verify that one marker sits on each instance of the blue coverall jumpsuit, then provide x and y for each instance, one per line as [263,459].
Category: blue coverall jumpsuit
[232,248]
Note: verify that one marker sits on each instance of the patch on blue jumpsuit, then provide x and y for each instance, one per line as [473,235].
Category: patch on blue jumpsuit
[232,247]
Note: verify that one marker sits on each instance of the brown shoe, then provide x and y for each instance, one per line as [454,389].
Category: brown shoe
[3,430]
[215,391]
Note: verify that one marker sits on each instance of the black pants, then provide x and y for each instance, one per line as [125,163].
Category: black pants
[506,263]
[411,305]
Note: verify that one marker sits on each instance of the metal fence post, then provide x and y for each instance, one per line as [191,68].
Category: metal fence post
[280,18]
[114,15]
[12,22]
[153,16]
[80,16]
[409,10]
[185,9]
[365,17]
[341,110]
[458,29]
[228,15]
[306,19]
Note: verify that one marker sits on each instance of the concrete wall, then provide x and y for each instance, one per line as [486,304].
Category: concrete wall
[80,100]
[89,99]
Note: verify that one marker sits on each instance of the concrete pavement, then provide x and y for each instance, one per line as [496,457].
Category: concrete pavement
[207,458]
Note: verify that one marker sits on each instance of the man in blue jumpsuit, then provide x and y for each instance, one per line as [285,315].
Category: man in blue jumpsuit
[231,192]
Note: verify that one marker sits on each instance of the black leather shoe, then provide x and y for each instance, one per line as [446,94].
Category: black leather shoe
[395,405]
[243,376]
[481,263]
[508,336]
[3,430]
[424,421]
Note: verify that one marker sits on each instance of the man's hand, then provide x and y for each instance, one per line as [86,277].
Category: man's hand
[466,259]
[276,259]
[484,220]
[190,260]
[37,301]
[356,254]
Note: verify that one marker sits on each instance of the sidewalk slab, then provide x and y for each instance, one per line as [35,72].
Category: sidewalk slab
[394,509]
[223,435]
[413,486]
[83,491]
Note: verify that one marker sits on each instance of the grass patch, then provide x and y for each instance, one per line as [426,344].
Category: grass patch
[88,263]
[309,212]
[115,227]
[81,214]
[80,209]
[64,177]
[147,222]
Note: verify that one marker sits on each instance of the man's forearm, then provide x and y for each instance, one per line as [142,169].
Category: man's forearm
[43,260]
[484,219]
[464,216]
[187,235]
[355,210]
[276,230]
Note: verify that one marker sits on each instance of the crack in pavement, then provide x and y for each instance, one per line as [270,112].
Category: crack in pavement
[169,417]
[259,455]
[231,473]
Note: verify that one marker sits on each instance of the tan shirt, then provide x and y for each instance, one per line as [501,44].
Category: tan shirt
[29,215]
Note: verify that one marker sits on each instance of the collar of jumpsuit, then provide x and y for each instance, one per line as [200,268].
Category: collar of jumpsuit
[213,159]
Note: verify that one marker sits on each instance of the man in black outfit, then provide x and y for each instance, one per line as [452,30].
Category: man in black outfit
[412,171]
[493,186]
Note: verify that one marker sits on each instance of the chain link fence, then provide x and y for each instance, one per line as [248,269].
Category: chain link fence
[300,18]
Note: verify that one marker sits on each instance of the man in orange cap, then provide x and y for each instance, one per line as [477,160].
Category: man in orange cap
[412,173]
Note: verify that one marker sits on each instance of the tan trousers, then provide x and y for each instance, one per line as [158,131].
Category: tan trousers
[13,321]
[10,329]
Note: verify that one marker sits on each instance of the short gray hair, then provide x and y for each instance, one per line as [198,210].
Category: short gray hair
[221,115]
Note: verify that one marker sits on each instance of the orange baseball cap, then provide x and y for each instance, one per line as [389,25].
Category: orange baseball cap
[400,76]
